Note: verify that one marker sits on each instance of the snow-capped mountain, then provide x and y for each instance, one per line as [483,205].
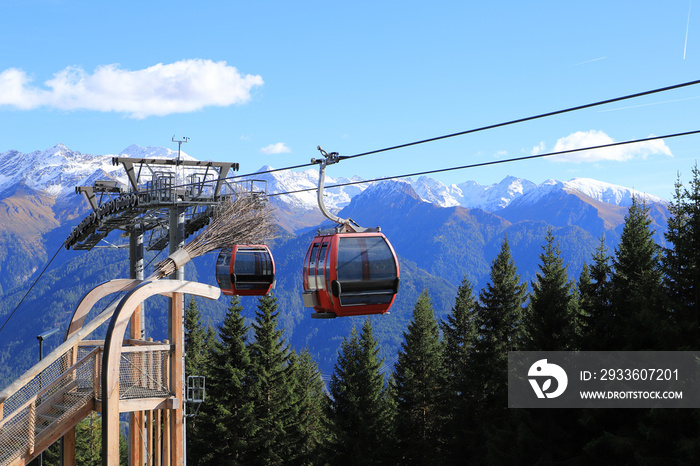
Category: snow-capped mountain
[495,197]
[58,170]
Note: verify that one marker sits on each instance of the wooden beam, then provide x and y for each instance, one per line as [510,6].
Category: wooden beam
[94,295]
[147,404]
[149,435]
[166,419]
[135,418]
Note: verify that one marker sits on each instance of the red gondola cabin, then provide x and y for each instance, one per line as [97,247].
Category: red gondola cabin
[245,270]
[348,274]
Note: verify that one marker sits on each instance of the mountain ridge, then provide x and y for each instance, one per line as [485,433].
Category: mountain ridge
[57,170]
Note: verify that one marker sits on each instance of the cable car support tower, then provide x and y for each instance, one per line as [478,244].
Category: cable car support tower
[164,202]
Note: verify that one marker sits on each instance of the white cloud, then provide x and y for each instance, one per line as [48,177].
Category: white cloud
[278,148]
[538,149]
[619,153]
[179,87]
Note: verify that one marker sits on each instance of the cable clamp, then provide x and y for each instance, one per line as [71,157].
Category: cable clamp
[330,158]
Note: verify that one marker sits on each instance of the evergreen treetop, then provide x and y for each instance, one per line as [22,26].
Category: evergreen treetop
[636,293]
[549,323]
[359,413]
[271,385]
[418,377]
[681,263]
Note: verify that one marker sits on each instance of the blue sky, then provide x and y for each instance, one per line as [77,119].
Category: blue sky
[266,82]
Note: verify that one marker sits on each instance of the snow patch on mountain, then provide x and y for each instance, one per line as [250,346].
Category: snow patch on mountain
[435,192]
[608,193]
[495,196]
[55,171]
[471,194]
[302,188]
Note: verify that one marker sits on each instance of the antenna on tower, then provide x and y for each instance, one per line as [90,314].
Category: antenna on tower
[179,145]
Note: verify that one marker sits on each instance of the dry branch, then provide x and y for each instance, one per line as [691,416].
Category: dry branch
[244,220]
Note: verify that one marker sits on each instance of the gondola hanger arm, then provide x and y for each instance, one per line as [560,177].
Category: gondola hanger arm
[346,224]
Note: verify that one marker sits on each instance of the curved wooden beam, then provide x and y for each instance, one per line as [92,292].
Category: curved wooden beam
[113,348]
[94,295]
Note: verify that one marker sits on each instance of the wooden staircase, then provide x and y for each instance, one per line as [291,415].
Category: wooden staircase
[37,421]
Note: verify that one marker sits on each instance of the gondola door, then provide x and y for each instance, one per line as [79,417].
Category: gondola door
[316,275]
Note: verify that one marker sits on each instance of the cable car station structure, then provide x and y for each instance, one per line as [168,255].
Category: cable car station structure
[166,201]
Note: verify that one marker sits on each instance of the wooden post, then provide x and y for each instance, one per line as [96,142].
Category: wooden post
[176,335]
[176,380]
[149,436]
[166,414]
[136,440]
[136,271]
[158,382]
[157,437]
[68,448]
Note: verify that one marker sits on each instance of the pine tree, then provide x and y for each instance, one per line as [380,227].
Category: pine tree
[635,287]
[594,291]
[459,336]
[498,320]
[344,419]
[195,341]
[550,436]
[373,390]
[549,323]
[311,404]
[271,388]
[583,303]
[197,354]
[498,323]
[359,413]
[678,430]
[226,421]
[419,375]
[681,264]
